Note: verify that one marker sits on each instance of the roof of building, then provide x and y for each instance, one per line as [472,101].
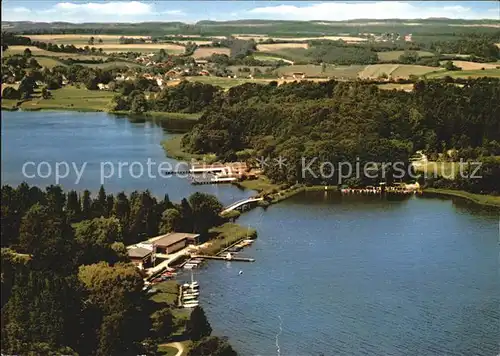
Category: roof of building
[138,252]
[172,238]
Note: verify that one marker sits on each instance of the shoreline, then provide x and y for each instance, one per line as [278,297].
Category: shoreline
[479,199]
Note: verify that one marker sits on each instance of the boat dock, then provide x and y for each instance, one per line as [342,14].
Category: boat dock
[225,258]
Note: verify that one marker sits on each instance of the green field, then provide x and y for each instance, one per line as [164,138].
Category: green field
[71,98]
[292,54]
[394,55]
[329,71]
[114,64]
[48,62]
[224,83]
[270,58]
[495,73]
[173,149]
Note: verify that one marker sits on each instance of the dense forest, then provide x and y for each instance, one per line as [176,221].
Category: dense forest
[339,121]
[68,286]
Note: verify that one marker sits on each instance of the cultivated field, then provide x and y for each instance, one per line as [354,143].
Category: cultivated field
[208,51]
[331,38]
[330,71]
[394,55]
[13,50]
[395,70]
[465,65]
[495,73]
[268,58]
[377,70]
[279,46]
[80,39]
[392,86]
[405,70]
[143,47]
[48,62]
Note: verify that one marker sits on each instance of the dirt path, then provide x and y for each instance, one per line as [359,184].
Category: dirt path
[176,345]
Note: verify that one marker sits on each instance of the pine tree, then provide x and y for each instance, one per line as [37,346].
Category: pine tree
[86,205]
[198,326]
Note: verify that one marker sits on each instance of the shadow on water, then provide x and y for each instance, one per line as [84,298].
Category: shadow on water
[168,124]
[463,204]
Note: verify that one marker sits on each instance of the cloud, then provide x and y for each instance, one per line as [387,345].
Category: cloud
[78,12]
[125,8]
[21,10]
[174,12]
[336,11]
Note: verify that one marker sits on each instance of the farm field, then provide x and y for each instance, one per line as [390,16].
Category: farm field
[292,54]
[143,47]
[270,58]
[394,55]
[208,51]
[330,70]
[465,65]
[395,70]
[495,73]
[405,70]
[48,62]
[305,38]
[113,64]
[272,47]
[13,50]
[82,39]
[392,86]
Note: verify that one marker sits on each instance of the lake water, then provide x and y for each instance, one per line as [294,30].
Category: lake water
[100,140]
[362,276]
[333,276]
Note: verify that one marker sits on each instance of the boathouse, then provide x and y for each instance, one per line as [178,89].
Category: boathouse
[173,242]
[140,256]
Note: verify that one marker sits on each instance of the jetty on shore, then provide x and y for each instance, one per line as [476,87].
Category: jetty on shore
[225,258]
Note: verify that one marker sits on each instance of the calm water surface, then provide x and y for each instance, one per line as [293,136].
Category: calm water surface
[361,277]
[332,276]
[94,138]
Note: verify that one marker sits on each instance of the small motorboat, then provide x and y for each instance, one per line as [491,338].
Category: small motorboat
[191,304]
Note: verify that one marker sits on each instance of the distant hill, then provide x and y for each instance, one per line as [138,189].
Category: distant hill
[424,27]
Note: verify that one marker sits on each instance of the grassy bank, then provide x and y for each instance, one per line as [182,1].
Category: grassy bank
[160,116]
[261,184]
[173,149]
[226,235]
[487,200]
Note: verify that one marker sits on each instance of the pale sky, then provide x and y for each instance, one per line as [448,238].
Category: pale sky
[192,11]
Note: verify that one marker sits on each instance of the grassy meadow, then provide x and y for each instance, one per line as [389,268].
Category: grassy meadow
[394,55]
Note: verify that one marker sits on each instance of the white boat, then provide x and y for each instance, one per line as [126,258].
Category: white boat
[191,304]
[191,292]
[189,297]
[189,266]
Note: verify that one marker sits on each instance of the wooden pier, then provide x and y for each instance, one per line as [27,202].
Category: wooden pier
[224,258]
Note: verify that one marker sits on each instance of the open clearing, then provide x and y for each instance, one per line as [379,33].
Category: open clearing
[278,46]
[405,70]
[208,51]
[465,65]
[394,55]
[13,50]
[494,73]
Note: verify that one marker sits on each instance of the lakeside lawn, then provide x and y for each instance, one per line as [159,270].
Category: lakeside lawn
[261,184]
[225,235]
[487,200]
[70,98]
[173,149]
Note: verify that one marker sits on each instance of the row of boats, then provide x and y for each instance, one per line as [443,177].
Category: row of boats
[192,263]
[190,294]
